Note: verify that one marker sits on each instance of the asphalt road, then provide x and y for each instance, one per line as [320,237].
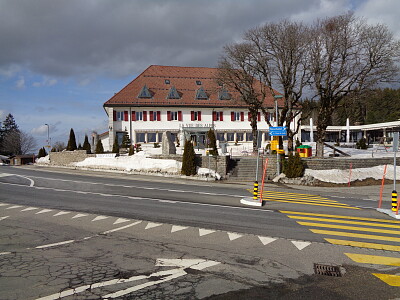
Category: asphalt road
[107,236]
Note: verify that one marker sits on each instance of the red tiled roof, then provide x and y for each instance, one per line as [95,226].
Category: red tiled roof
[184,80]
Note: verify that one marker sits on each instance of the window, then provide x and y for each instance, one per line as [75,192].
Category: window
[173,93]
[220,137]
[140,137]
[230,136]
[139,116]
[151,137]
[144,93]
[237,116]
[239,136]
[120,136]
[155,115]
[167,81]
[224,95]
[159,136]
[201,94]
[120,116]
[249,136]
[198,82]
[195,115]
[218,116]
[174,115]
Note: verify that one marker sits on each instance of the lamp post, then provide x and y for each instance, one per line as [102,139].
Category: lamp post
[48,135]
[278,166]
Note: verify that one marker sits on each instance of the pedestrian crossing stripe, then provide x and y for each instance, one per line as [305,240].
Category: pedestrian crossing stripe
[392,280]
[363,245]
[374,259]
[356,235]
[355,228]
[304,199]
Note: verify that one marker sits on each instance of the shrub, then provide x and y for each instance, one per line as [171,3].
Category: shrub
[293,167]
[115,148]
[126,142]
[86,145]
[138,147]
[298,143]
[362,144]
[99,147]
[188,160]
[42,152]
[156,145]
[131,150]
[212,142]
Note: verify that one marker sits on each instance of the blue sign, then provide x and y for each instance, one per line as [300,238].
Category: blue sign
[277,131]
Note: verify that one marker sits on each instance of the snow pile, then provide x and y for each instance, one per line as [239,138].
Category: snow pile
[343,176]
[208,173]
[43,160]
[138,163]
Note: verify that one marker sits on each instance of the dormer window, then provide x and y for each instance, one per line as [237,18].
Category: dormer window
[144,93]
[167,81]
[201,94]
[198,82]
[224,95]
[173,93]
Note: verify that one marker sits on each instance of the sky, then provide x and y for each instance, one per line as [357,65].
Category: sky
[60,60]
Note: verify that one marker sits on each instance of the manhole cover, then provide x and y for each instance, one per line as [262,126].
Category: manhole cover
[328,270]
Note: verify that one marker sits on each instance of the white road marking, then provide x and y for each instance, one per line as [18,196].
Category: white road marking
[4,204]
[99,218]
[5,253]
[2,218]
[14,206]
[43,211]
[176,228]
[5,174]
[167,201]
[79,216]
[121,220]
[203,232]
[233,236]
[300,245]
[29,208]
[266,240]
[55,244]
[61,213]
[152,225]
[121,228]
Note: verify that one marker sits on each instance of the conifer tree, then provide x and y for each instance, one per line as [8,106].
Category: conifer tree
[99,147]
[188,160]
[71,141]
[293,167]
[126,142]
[80,146]
[131,150]
[86,145]
[212,142]
[115,148]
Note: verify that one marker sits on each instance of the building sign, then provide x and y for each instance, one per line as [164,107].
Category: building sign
[277,131]
[195,125]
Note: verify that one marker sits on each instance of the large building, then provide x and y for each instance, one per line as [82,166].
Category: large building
[187,101]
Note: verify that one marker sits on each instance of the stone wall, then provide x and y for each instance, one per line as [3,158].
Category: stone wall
[344,163]
[66,157]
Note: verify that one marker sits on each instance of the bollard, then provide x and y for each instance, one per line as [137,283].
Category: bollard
[255,191]
[394,201]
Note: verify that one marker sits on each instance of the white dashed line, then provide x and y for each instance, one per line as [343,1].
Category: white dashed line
[43,211]
[152,225]
[121,228]
[55,244]
[79,216]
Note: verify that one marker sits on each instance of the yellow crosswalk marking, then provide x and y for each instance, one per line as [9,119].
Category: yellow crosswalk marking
[345,222]
[318,204]
[363,245]
[392,280]
[339,216]
[349,227]
[302,199]
[374,259]
[357,235]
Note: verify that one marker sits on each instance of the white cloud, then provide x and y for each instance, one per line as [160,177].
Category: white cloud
[20,83]
[325,8]
[41,130]
[45,82]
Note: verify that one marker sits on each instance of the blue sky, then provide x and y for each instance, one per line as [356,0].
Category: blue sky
[61,60]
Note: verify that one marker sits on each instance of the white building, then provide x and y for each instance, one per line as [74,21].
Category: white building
[182,100]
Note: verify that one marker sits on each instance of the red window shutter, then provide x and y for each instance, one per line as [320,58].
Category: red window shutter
[126,115]
[249,116]
[151,116]
[114,115]
[179,116]
[258,116]
[158,115]
[214,116]
[145,116]
[168,115]
[221,116]
[241,116]
[134,116]
[232,116]
[199,115]
[192,115]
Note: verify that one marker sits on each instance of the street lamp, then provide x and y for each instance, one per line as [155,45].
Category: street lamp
[278,166]
[48,135]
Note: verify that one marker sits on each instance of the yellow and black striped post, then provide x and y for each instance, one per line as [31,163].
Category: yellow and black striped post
[255,191]
[394,201]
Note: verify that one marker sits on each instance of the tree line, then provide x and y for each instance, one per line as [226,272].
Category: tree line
[331,60]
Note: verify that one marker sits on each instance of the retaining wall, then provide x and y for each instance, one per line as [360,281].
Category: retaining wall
[66,157]
[344,163]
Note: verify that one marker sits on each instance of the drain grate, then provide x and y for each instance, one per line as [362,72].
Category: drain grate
[328,270]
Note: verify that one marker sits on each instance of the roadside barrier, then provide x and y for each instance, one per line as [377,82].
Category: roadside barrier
[394,201]
[263,179]
[255,191]
[382,186]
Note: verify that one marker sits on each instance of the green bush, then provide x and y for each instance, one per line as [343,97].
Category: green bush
[362,144]
[131,150]
[293,167]
[212,142]
[86,145]
[188,160]
[126,142]
[99,147]
[115,148]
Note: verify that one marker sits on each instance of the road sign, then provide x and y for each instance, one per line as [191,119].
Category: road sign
[277,131]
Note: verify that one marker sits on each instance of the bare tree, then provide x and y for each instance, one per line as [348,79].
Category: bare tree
[27,142]
[279,56]
[19,142]
[348,56]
